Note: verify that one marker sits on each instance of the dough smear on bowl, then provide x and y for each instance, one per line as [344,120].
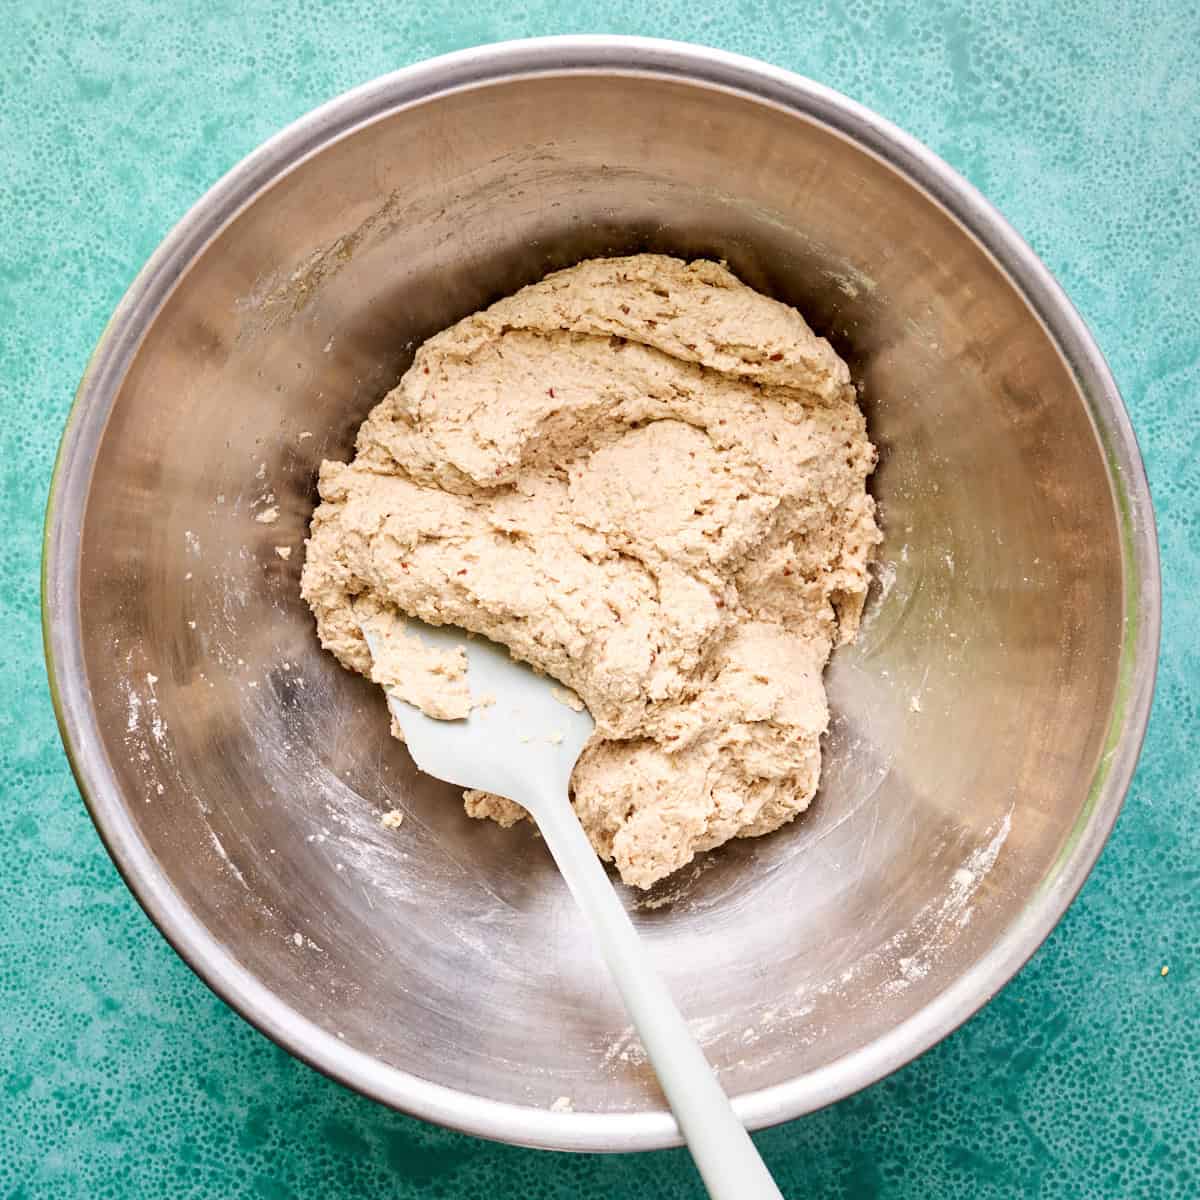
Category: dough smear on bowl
[649,481]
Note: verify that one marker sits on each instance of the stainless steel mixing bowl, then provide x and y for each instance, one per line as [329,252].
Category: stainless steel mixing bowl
[987,721]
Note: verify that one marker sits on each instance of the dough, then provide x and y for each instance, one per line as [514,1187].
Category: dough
[435,681]
[649,481]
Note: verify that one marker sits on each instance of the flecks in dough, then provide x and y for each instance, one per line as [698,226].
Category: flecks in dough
[649,481]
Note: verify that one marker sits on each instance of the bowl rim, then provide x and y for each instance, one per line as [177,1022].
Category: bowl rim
[705,68]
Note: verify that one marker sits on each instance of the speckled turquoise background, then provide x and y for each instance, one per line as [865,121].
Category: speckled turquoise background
[121,1076]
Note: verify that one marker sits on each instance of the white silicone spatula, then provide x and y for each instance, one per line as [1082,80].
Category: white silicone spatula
[524,747]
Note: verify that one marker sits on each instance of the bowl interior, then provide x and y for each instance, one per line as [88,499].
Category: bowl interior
[970,717]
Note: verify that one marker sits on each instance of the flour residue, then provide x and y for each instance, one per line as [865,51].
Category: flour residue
[907,958]
[145,729]
[223,855]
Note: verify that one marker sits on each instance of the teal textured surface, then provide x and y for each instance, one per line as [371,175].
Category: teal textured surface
[122,1076]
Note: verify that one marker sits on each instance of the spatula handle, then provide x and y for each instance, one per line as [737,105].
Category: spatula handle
[728,1162]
